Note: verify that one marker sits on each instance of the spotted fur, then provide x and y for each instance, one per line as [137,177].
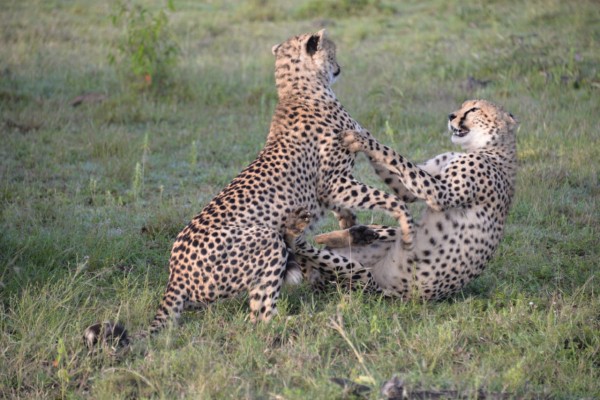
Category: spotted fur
[468,197]
[237,243]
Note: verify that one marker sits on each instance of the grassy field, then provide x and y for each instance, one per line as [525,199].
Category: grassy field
[91,198]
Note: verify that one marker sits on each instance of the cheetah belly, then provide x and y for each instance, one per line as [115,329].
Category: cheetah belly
[451,248]
[390,271]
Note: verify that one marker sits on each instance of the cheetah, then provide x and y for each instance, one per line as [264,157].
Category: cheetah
[468,196]
[237,242]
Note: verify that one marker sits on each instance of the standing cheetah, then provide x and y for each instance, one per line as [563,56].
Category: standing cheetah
[468,197]
[237,242]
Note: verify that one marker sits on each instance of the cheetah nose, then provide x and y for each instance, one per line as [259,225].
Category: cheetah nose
[451,117]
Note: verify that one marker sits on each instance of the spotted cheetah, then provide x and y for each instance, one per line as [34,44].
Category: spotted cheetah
[468,197]
[237,243]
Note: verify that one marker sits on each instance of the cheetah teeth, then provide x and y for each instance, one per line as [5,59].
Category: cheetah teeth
[459,132]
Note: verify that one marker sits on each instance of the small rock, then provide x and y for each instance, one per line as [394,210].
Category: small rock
[109,335]
[394,389]
[473,83]
[88,98]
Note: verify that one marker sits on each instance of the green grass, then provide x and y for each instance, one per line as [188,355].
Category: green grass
[91,198]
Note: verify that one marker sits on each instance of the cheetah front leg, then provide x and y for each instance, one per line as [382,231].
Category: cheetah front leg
[351,194]
[437,193]
[392,181]
[435,165]
[432,166]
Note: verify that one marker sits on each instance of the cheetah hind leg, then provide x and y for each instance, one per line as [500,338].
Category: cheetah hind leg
[295,226]
[338,267]
[359,235]
[266,287]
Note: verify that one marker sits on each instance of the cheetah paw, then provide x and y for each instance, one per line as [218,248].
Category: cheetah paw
[346,219]
[353,140]
[362,235]
[298,222]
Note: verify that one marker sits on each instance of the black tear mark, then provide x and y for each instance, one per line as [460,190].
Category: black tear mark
[462,119]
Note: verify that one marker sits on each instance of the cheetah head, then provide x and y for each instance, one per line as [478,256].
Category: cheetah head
[307,58]
[479,123]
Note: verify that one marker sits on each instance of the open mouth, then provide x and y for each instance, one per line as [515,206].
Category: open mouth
[459,132]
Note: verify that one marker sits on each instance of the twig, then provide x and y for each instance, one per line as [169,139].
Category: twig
[338,325]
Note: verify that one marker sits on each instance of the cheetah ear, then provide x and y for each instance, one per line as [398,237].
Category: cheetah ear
[312,45]
[315,42]
[275,48]
[322,33]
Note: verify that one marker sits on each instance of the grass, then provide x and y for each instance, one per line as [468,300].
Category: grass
[91,198]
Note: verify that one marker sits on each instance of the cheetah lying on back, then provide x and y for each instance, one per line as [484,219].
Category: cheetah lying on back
[237,242]
[468,197]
